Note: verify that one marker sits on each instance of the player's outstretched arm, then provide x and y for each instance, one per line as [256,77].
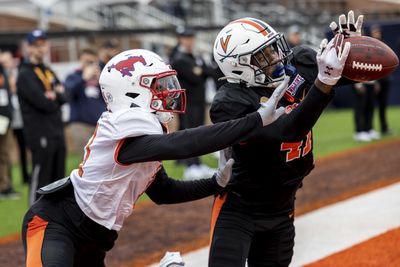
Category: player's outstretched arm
[294,126]
[201,140]
[166,190]
[330,64]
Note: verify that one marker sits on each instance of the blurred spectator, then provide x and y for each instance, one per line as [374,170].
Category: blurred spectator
[381,88]
[6,190]
[108,50]
[10,65]
[41,95]
[192,74]
[294,36]
[86,102]
[364,111]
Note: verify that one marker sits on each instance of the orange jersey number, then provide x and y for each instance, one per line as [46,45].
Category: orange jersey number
[297,149]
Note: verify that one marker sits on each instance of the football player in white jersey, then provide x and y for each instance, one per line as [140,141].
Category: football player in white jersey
[77,218]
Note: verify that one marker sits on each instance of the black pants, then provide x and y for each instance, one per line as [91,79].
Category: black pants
[364,109]
[48,160]
[193,117]
[240,234]
[382,99]
[57,233]
[19,135]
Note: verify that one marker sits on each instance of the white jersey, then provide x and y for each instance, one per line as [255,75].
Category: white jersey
[105,189]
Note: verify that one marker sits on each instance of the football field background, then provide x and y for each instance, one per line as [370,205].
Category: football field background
[333,132]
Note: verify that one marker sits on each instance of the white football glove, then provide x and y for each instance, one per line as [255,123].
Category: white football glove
[330,62]
[347,27]
[268,110]
[224,155]
[224,173]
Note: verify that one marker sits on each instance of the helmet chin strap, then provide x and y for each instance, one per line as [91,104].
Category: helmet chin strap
[287,70]
[278,72]
[164,117]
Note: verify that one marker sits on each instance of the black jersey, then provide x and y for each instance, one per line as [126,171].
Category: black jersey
[270,167]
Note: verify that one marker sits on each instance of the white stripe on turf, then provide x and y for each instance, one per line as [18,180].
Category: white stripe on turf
[334,228]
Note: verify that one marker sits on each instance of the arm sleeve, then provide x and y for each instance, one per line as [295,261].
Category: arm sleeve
[344,81]
[34,95]
[294,126]
[166,190]
[61,98]
[190,142]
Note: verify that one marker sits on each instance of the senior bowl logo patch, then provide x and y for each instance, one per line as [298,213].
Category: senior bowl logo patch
[127,66]
[294,86]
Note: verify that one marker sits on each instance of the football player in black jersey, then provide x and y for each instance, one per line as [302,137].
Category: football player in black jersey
[253,220]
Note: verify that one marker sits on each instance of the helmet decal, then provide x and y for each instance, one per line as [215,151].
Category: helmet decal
[224,43]
[126,66]
[258,24]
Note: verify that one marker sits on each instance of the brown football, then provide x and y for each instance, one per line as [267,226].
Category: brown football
[369,59]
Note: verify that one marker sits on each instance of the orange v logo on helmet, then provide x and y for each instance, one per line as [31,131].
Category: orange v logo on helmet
[224,44]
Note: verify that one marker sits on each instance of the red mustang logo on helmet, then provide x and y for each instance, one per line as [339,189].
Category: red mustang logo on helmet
[126,66]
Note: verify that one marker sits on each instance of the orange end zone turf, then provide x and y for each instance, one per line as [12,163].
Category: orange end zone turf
[383,250]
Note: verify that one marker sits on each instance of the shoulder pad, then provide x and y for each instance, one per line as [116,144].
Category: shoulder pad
[304,55]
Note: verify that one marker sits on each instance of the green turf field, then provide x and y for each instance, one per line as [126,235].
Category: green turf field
[333,132]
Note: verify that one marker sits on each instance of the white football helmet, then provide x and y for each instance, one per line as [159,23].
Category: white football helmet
[141,78]
[251,52]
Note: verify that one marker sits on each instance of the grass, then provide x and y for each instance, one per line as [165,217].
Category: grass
[334,130]
[332,133]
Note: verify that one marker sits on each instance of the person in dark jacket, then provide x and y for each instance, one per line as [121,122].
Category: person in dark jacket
[41,95]
[6,190]
[85,99]
[382,89]
[10,65]
[192,73]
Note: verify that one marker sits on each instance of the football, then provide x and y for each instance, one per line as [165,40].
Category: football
[369,59]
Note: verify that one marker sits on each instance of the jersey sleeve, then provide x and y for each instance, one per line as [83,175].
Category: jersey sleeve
[190,142]
[166,190]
